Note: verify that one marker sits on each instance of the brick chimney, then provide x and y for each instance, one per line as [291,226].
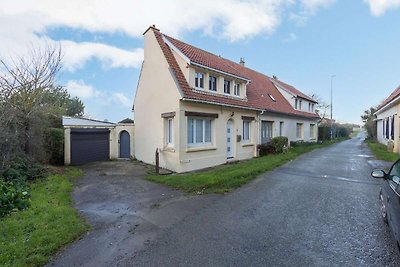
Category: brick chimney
[242,62]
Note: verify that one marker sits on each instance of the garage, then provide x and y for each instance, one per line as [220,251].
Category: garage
[88,140]
[88,145]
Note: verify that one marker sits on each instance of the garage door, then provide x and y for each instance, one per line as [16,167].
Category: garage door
[88,145]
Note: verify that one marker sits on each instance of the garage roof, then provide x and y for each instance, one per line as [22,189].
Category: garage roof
[70,121]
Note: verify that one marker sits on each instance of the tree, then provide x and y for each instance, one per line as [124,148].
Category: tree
[368,118]
[322,108]
[31,102]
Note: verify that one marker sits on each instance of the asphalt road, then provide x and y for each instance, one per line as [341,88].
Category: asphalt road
[319,210]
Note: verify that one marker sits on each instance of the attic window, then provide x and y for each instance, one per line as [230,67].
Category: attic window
[272,98]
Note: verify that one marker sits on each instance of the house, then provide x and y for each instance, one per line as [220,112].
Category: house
[202,110]
[387,118]
[87,140]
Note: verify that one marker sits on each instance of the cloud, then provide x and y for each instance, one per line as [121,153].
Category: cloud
[291,38]
[121,99]
[81,90]
[379,7]
[77,54]
[309,8]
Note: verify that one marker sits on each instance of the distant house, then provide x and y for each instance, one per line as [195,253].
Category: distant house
[388,120]
[202,110]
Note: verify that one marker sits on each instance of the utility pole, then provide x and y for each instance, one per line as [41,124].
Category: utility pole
[332,76]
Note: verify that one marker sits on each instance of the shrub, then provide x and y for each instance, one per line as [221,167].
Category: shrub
[55,145]
[22,169]
[265,149]
[14,196]
[279,143]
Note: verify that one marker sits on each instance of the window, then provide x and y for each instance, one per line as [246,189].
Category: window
[266,131]
[281,128]
[199,80]
[300,102]
[246,130]
[199,131]
[212,83]
[312,131]
[394,174]
[272,98]
[227,87]
[387,128]
[170,132]
[236,90]
[309,107]
[296,103]
[299,131]
[392,129]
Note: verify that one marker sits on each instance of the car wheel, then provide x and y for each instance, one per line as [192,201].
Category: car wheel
[383,208]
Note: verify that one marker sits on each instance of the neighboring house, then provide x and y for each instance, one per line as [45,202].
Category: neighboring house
[388,120]
[202,110]
[88,140]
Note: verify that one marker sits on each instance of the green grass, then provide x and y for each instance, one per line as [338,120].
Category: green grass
[31,237]
[380,151]
[228,177]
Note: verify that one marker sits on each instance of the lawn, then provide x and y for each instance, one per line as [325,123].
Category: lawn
[228,177]
[31,237]
[380,152]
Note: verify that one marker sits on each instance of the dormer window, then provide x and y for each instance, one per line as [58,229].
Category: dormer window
[227,87]
[199,80]
[212,83]
[297,104]
[236,90]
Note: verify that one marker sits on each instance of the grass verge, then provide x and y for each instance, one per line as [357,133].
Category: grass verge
[380,151]
[228,177]
[31,237]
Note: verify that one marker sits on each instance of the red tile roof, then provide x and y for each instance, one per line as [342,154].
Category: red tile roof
[258,90]
[293,90]
[392,97]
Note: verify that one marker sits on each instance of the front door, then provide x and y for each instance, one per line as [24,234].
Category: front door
[124,145]
[229,141]
[266,131]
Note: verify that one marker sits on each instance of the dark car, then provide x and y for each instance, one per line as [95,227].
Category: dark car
[389,198]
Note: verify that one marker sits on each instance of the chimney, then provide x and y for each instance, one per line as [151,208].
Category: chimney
[242,62]
[274,77]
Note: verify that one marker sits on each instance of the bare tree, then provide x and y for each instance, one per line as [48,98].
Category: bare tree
[322,108]
[25,84]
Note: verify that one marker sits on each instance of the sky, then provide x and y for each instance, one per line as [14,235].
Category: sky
[302,42]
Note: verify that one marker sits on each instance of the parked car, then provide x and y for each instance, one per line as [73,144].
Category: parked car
[389,198]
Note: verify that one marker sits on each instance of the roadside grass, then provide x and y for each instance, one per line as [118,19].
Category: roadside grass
[31,237]
[380,151]
[225,178]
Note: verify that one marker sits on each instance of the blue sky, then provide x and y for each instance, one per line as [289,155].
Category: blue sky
[301,42]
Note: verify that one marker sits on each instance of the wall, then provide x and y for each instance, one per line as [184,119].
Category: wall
[289,126]
[381,116]
[115,139]
[156,93]
[203,157]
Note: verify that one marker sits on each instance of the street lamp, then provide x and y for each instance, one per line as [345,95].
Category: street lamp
[332,76]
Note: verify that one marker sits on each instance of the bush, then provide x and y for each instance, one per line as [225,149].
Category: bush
[279,143]
[55,145]
[265,149]
[22,169]
[14,196]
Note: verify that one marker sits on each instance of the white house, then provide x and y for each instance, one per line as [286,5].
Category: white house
[388,120]
[202,110]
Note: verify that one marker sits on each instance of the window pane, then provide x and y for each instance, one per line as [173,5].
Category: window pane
[201,80]
[169,131]
[208,131]
[190,131]
[199,131]
[246,130]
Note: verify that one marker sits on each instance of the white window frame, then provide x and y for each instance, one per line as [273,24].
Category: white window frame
[203,143]
[281,124]
[198,77]
[210,83]
[248,122]
[225,87]
[301,137]
[236,89]
[312,131]
[169,135]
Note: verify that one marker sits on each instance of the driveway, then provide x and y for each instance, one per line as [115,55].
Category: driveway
[318,210]
[125,211]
